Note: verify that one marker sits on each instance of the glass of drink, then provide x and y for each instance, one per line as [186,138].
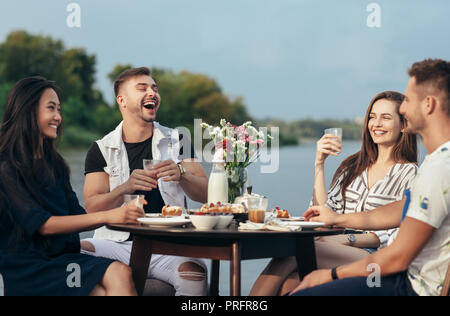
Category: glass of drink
[149,164]
[336,132]
[137,199]
[256,209]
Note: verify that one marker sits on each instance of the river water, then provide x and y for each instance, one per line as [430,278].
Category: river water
[290,187]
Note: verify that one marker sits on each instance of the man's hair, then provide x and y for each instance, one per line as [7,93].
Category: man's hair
[435,72]
[129,73]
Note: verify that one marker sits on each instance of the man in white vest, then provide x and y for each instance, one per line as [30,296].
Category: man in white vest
[114,167]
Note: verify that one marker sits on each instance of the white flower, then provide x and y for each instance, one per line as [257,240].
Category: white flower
[240,144]
[253,132]
[204,125]
[247,124]
[219,155]
[261,134]
[216,132]
[241,151]
[223,122]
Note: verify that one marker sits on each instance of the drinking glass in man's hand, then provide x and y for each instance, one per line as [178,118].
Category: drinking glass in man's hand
[149,164]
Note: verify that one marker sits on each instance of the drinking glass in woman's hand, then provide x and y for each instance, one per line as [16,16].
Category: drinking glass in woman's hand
[328,145]
[136,199]
[129,212]
[336,131]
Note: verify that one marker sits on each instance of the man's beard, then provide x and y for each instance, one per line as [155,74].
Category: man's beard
[149,120]
[154,108]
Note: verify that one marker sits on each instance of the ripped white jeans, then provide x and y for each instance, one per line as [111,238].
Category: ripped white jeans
[164,268]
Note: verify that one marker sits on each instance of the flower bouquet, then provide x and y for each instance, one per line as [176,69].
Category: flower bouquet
[238,146]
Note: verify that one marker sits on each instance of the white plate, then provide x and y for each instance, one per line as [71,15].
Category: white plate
[164,222]
[292,219]
[159,215]
[153,215]
[306,224]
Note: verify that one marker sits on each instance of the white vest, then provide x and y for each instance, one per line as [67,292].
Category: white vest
[165,145]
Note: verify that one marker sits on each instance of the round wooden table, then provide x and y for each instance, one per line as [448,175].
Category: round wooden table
[222,244]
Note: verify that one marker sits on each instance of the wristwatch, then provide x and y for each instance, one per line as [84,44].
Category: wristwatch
[351,239]
[182,170]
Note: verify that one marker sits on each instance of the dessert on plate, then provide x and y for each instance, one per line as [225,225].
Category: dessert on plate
[168,210]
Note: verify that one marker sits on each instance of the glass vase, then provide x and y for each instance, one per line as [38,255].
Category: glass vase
[237,178]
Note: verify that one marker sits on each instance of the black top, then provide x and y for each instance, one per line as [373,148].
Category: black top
[56,199]
[30,263]
[137,152]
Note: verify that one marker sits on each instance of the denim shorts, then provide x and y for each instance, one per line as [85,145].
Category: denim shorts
[392,285]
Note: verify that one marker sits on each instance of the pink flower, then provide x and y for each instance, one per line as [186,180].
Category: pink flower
[226,145]
[242,134]
[257,142]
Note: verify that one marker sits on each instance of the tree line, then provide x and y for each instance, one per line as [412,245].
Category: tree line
[302,130]
[88,116]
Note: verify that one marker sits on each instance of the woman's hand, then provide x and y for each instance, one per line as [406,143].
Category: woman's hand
[321,214]
[315,278]
[126,214]
[327,145]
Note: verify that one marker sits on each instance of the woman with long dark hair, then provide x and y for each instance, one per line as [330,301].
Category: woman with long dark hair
[40,215]
[376,175]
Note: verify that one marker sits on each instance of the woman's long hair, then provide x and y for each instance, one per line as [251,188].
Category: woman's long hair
[404,151]
[31,156]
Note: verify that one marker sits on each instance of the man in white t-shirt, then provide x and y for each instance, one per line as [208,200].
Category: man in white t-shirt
[417,261]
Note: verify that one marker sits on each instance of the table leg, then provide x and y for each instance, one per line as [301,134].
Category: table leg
[306,256]
[141,254]
[215,272]
[235,269]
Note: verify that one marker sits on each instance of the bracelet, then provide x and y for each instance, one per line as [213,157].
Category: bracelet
[182,170]
[334,275]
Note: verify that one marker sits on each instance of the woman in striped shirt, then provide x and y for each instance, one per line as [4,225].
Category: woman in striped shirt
[376,175]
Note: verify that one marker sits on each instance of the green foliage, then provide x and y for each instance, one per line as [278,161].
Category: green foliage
[76,136]
[117,70]
[23,55]
[105,118]
[78,76]
[185,96]
[75,113]
[311,129]
[5,87]
[86,115]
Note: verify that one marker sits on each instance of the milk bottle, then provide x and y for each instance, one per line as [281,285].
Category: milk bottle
[218,183]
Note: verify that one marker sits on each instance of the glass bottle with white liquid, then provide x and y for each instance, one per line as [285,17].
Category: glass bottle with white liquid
[218,184]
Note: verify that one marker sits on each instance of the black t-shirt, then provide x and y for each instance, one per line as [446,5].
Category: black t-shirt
[95,162]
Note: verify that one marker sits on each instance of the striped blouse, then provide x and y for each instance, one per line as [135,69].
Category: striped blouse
[358,197]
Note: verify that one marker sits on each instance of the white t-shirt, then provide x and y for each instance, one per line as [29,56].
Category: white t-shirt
[430,203]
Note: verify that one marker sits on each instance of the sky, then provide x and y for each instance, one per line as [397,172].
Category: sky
[288,59]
